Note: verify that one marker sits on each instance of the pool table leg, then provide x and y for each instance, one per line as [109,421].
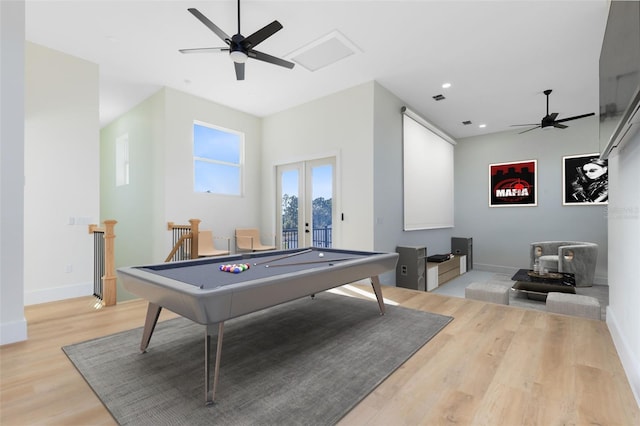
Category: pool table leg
[375,283]
[210,393]
[153,312]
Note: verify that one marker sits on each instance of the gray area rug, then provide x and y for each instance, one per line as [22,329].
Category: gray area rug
[306,362]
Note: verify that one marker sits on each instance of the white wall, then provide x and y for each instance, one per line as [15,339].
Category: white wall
[623,315]
[62,174]
[388,169]
[219,213]
[160,131]
[363,125]
[338,125]
[137,207]
[501,236]
[13,326]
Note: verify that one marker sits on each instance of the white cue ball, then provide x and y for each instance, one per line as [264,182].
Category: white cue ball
[321,254]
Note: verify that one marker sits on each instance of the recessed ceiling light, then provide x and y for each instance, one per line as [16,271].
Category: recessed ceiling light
[446,85]
[482,126]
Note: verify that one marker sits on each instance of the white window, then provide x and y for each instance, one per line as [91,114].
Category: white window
[217,159]
[122,160]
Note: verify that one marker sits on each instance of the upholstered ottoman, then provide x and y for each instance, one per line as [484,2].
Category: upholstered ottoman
[488,292]
[574,304]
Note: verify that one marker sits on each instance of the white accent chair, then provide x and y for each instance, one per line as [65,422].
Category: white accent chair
[576,257]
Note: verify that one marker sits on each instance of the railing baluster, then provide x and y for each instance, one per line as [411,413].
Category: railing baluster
[185,241]
[104,278]
[321,237]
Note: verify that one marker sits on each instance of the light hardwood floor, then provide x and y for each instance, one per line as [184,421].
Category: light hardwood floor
[492,365]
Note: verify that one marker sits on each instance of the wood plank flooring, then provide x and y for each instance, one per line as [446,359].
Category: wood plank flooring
[492,365]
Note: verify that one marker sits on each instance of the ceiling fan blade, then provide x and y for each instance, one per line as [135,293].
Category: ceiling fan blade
[575,117]
[261,35]
[271,59]
[529,124]
[528,130]
[239,70]
[549,120]
[204,50]
[213,27]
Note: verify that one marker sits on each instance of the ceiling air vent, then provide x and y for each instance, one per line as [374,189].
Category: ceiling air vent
[324,51]
[438,97]
[466,123]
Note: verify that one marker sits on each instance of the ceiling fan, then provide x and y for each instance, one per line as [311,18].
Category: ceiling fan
[549,120]
[240,48]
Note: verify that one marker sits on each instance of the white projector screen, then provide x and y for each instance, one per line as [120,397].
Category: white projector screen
[427,177]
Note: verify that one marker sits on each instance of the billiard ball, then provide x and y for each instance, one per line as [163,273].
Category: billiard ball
[321,255]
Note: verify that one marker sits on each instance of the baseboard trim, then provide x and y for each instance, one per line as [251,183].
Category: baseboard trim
[12,332]
[506,270]
[58,293]
[631,366]
[601,280]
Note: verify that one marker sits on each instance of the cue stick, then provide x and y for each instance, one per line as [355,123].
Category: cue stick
[283,257]
[310,262]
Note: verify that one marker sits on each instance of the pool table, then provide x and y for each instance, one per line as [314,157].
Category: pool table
[200,291]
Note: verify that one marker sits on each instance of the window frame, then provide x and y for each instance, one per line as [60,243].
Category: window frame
[239,165]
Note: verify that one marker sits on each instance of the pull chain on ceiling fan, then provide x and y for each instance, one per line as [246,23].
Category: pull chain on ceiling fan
[240,48]
[549,120]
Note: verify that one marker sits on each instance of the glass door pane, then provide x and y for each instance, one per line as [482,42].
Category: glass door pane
[306,209]
[289,195]
[319,226]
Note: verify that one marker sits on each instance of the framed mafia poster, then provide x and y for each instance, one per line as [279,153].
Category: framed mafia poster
[513,184]
[585,180]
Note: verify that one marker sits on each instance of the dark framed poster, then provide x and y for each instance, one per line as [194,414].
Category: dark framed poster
[513,184]
[585,180]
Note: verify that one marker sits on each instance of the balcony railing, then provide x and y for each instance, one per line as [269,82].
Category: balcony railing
[321,237]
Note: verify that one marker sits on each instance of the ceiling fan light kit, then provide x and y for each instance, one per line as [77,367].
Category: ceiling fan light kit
[238,56]
[240,48]
[549,121]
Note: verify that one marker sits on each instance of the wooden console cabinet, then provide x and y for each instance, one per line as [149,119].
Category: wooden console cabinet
[440,273]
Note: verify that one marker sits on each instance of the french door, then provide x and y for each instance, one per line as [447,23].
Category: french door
[306,211]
